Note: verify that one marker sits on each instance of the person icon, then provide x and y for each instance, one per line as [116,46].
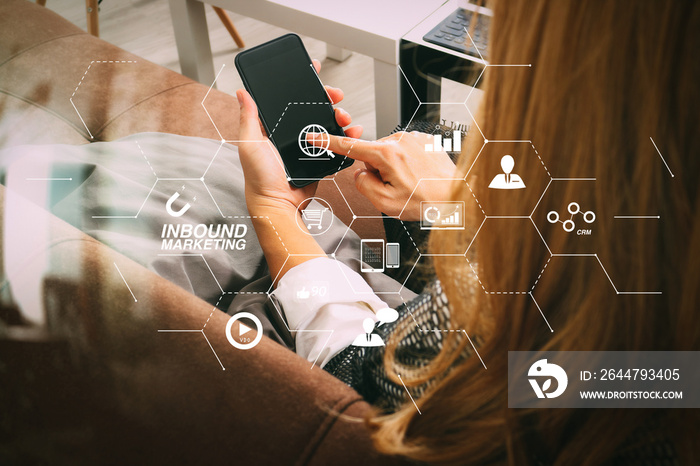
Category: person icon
[506,180]
[368,338]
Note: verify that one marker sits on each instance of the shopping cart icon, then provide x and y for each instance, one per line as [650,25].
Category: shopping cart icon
[313,217]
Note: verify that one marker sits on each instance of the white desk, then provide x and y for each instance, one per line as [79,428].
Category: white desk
[424,64]
[369,27]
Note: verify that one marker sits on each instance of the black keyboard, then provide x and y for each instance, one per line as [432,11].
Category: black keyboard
[451,32]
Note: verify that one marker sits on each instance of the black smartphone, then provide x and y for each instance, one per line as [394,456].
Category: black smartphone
[292,103]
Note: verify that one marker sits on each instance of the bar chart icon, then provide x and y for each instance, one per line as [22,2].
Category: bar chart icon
[442,215]
[452,219]
[449,145]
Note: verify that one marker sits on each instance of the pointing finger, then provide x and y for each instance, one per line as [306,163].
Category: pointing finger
[358,149]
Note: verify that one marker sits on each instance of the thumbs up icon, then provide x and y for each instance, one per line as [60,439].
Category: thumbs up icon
[303,293]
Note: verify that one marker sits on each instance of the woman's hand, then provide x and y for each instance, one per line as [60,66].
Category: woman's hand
[266,184]
[394,166]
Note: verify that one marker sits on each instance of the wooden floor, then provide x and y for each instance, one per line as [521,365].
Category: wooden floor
[143,27]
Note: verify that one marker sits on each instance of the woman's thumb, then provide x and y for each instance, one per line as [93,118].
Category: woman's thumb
[369,185]
[249,127]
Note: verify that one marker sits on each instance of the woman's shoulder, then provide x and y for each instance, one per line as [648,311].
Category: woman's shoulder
[419,332]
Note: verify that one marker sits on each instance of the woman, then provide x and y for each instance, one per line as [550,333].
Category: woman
[605,78]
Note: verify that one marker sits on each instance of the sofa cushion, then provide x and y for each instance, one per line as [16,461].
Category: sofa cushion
[38,26]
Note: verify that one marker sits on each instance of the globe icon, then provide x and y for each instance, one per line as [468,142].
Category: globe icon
[321,135]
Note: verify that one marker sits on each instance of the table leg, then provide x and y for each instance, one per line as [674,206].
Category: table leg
[337,53]
[386,96]
[228,24]
[192,39]
[93,22]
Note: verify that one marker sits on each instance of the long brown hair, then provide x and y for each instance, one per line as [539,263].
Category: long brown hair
[606,79]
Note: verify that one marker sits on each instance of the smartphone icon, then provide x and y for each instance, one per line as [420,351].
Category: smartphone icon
[292,103]
[393,253]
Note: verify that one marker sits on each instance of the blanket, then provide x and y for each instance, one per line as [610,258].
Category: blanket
[175,205]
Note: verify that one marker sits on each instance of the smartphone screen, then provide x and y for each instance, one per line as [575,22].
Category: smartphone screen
[292,102]
[392,255]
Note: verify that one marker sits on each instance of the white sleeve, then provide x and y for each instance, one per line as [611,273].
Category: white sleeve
[325,302]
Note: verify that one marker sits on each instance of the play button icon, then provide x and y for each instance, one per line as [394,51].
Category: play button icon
[243,340]
[243,329]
